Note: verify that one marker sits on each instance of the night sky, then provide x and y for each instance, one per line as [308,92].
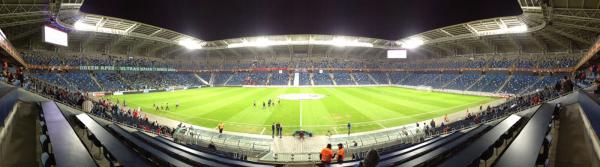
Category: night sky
[222,19]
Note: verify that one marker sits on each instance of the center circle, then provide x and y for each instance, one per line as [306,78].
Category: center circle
[301,96]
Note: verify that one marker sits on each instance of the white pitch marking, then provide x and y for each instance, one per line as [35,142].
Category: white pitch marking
[263,131]
[300,113]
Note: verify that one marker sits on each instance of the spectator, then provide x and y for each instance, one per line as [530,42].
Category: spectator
[597,91]
[211,146]
[340,153]
[371,160]
[273,130]
[277,126]
[280,131]
[326,155]
[349,128]
[221,126]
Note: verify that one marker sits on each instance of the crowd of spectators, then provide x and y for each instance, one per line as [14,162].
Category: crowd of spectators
[105,60]
[115,112]
[512,105]
[524,61]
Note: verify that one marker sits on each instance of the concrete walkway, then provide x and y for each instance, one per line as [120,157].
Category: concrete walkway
[572,148]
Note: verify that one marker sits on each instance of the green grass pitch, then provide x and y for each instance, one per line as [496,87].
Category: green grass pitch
[367,108]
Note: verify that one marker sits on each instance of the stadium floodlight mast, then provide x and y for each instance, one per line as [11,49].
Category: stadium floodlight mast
[190,44]
[264,42]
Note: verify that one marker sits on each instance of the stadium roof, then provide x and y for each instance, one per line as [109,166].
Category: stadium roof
[225,19]
[562,25]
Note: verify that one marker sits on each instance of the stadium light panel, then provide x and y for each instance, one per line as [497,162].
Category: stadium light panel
[79,25]
[264,42]
[412,43]
[190,44]
[339,42]
[519,29]
[505,30]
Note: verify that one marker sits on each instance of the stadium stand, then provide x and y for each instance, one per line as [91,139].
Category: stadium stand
[279,78]
[341,78]
[305,79]
[363,79]
[324,79]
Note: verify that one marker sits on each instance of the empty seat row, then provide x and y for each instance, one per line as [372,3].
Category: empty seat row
[456,149]
[60,144]
[483,147]
[159,157]
[116,151]
[524,150]
[190,155]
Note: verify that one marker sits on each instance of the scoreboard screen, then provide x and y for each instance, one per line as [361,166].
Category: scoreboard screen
[54,36]
[396,54]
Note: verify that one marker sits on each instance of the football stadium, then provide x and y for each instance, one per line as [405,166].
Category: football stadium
[299,83]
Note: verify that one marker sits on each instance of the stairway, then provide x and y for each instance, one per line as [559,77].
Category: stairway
[123,80]
[212,79]
[480,78]
[200,79]
[230,76]
[372,79]
[332,79]
[530,86]
[353,79]
[404,78]
[451,81]
[268,82]
[68,84]
[504,84]
[95,81]
[312,81]
[428,83]
[387,75]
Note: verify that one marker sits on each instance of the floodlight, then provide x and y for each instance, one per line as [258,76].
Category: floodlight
[339,42]
[412,43]
[79,25]
[190,44]
[262,42]
[518,29]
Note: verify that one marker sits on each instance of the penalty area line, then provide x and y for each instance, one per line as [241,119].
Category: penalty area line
[262,131]
[380,124]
